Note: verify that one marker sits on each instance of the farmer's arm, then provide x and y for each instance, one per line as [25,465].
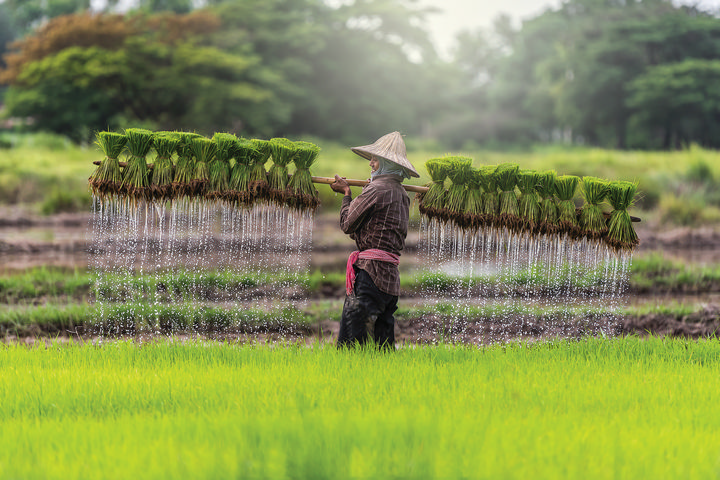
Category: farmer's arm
[353,212]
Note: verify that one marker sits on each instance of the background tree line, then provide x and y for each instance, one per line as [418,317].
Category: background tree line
[612,73]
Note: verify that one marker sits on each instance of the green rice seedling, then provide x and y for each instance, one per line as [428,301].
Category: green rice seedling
[136,180]
[245,151]
[473,209]
[107,178]
[204,151]
[459,173]
[304,194]
[490,193]
[185,166]
[621,233]
[257,180]
[219,185]
[548,208]
[162,175]
[565,188]
[432,200]
[592,218]
[507,175]
[283,151]
[528,203]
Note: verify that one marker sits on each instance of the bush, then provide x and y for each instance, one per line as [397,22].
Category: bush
[687,211]
[65,201]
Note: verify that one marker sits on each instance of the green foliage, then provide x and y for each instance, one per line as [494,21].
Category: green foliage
[240,173]
[136,179]
[107,177]
[185,166]
[621,233]
[165,143]
[490,194]
[592,219]
[304,195]
[687,211]
[460,173]
[528,203]
[257,175]
[565,188]
[204,151]
[506,177]
[679,99]
[226,150]
[434,198]
[61,200]
[283,151]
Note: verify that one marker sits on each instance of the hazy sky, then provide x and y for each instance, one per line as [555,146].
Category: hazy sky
[470,14]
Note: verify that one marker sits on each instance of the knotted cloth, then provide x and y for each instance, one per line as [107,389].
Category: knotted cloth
[369,254]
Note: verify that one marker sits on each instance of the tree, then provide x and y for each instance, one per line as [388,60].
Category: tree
[679,101]
[155,77]
[28,14]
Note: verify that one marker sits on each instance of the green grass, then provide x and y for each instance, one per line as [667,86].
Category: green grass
[655,271]
[591,409]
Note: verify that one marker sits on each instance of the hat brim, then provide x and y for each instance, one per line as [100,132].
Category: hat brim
[367,153]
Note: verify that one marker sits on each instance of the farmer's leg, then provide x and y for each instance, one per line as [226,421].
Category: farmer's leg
[360,311]
[385,325]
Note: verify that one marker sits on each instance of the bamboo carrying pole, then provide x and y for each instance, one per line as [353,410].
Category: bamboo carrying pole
[362,183]
[351,182]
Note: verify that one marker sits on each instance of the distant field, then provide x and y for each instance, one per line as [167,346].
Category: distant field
[47,169]
[594,409]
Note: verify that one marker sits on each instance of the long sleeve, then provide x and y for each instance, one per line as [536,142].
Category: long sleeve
[354,212]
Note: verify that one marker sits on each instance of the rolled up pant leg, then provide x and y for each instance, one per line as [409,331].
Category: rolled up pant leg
[367,314]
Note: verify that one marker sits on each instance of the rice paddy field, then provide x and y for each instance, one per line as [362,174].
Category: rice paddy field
[122,370]
[594,408]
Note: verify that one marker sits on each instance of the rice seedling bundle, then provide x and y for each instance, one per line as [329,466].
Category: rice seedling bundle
[592,219]
[490,194]
[460,173]
[245,151]
[432,200]
[283,151]
[185,166]
[162,175]
[257,180]
[565,188]
[136,181]
[506,177]
[474,200]
[548,220]
[107,178]
[304,196]
[528,203]
[621,233]
[204,151]
[219,185]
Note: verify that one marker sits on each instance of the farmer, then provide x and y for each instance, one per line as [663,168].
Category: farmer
[378,221]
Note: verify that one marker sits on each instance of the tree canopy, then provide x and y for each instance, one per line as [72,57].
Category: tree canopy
[626,74]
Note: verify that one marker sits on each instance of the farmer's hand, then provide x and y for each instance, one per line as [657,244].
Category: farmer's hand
[340,185]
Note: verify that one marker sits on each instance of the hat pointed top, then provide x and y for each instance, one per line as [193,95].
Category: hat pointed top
[390,147]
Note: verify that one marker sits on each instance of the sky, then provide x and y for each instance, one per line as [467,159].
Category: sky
[471,14]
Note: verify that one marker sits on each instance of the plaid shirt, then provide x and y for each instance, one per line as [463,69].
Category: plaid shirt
[378,218]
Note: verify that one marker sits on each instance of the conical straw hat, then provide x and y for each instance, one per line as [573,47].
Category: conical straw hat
[390,147]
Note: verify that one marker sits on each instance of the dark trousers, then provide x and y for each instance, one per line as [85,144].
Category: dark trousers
[368,315]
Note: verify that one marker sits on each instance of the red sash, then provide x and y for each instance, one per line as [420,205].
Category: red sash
[369,254]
